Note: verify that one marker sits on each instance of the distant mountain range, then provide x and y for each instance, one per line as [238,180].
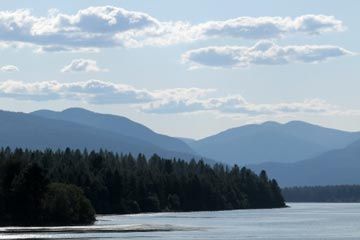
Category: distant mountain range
[272,142]
[79,128]
[295,153]
[336,167]
[117,125]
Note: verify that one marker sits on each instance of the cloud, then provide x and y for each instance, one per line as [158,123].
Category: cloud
[164,101]
[262,53]
[92,91]
[83,65]
[90,27]
[9,68]
[57,49]
[109,26]
[270,27]
[236,105]
[316,24]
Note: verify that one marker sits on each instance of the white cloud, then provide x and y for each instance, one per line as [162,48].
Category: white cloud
[9,68]
[316,24]
[57,49]
[83,65]
[270,27]
[92,91]
[165,101]
[90,27]
[237,105]
[109,26]
[262,53]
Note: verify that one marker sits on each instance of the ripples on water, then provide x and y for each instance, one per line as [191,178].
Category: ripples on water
[299,222]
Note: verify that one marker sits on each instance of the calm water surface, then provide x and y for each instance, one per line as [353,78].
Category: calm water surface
[300,221]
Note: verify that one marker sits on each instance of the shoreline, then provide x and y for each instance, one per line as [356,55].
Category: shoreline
[9,226]
[98,229]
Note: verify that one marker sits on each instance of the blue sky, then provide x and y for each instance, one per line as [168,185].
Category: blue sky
[184,68]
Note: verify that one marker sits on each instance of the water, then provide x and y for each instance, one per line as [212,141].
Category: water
[299,222]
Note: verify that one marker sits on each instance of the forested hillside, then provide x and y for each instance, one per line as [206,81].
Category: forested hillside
[117,184]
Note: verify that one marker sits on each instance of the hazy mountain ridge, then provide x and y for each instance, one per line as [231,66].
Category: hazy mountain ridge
[188,141]
[273,142]
[35,132]
[117,124]
[335,167]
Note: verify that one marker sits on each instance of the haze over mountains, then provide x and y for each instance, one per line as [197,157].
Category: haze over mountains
[116,124]
[40,130]
[295,153]
[272,142]
[336,167]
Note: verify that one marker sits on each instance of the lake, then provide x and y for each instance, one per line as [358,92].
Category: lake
[300,221]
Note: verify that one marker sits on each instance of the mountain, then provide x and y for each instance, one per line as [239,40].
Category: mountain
[336,167]
[188,141]
[117,124]
[35,132]
[272,142]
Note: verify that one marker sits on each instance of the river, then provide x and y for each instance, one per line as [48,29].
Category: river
[301,221]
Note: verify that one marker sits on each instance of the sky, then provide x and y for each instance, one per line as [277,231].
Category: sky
[185,68]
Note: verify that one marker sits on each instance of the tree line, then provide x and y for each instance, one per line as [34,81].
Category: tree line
[340,193]
[48,181]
